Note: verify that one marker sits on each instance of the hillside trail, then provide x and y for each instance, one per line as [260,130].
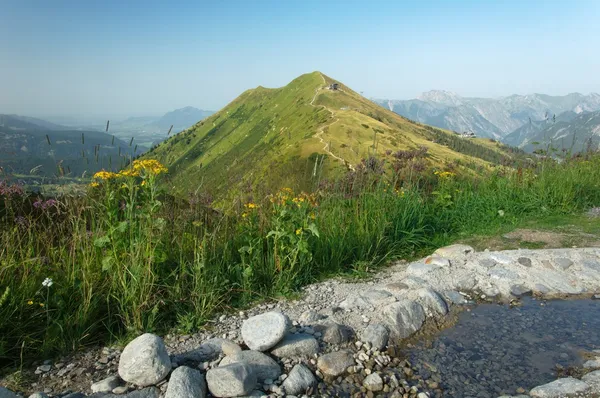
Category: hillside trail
[319,135]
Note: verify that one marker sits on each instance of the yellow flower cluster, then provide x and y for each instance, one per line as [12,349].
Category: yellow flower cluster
[287,194]
[150,166]
[444,174]
[105,175]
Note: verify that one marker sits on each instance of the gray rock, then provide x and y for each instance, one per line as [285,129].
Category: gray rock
[355,302]
[296,345]
[432,302]
[524,261]
[149,392]
[559,388]
[106,385]
[38,395]
[503,274]
[144,361]
[299,380]
[335,363]
[438,260]
[263,366]
[209,351]
[396,287]
[593,380]
[592,364]
[376,297]
[487,263]
[81,395]
[454,297]
[377,335]
[419,269]
[454,251]
[310,316]
[334,333]
[232,380]
[501,258]
[519,290]
[264,331]
[404,317]
[186,383]
[591,264]
[563,263]
[542,289]
[373,382]
[6,393]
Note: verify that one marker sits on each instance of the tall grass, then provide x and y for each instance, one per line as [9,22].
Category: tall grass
[127,258]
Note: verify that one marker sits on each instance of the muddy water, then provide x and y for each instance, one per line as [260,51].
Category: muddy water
[495,350]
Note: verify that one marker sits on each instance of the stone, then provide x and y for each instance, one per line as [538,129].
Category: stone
[591,264]
[299,380]
[377,335]
[263,366]
[264,331]
[335,363]
[542,289]
[432,302]
[487,263]
[501,258]
[334,333]
[144,361]
[355,302]
[524,261]
[38,395]
[209,351]
[186,382]
[396,287]
[592,364]
[503,274]
[232,380]
[454,297]
[149,392]
[81,395]
[437,260]
[404,317]
[376,297]
[106,385]
[454,251]
[6,393]
[310,316]
[563,263]
[420,269]
[373,382]
[519,290]
[296,345]
[120,390]
[593,380]
[559,388]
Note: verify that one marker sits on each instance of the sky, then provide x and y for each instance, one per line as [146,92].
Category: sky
[112,59]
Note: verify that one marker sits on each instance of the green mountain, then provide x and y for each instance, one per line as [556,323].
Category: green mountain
[34,146]
[297,134]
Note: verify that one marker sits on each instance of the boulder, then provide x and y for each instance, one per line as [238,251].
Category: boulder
[148,392]
[334,333]
[299,380]
[593,380]
[106,385]
[376,335]
[335,363]
[432,302]
[186,382]
[264,331]
[144,361]
[209,351]
[559,388]
[231,380]
[519,290]
[296,345]
[373,382]
[263,366]
[404,317]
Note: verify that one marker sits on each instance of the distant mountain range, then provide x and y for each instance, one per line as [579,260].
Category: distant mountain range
[492,117]
[35,146]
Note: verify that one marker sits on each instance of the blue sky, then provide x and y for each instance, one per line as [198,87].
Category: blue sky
[130,58]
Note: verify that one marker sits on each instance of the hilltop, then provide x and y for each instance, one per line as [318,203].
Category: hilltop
[297,134]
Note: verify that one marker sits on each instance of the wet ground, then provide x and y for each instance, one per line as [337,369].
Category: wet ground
[495,350]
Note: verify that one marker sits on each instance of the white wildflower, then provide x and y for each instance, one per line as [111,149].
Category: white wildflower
[47,282]
[501,213]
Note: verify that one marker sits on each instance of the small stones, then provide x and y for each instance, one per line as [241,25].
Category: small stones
[263,366]
[299,380]
[376,335]
[559,388]
[373,382]
[296,345]
[106,385]
[524,261]
[264,331]
[519,290]
[335,363]
[145,361]
[186,383]
[232,380]
[563,263]
[310,316]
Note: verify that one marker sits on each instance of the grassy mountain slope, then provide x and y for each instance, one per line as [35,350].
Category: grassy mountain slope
[288,135]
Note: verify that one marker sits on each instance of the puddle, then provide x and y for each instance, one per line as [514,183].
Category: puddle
[494,350]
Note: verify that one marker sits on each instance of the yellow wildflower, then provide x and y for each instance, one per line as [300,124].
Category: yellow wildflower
[150,166]
[30,302]
[42,305]
[129,173]
[251,205]
[298,231]
[143,182]
[105,175]
[94,184]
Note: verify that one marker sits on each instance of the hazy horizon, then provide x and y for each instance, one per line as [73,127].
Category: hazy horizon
[111,60]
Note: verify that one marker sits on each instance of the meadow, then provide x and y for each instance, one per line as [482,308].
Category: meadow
[126,257]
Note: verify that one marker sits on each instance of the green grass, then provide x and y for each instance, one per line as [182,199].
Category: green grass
[125,258]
